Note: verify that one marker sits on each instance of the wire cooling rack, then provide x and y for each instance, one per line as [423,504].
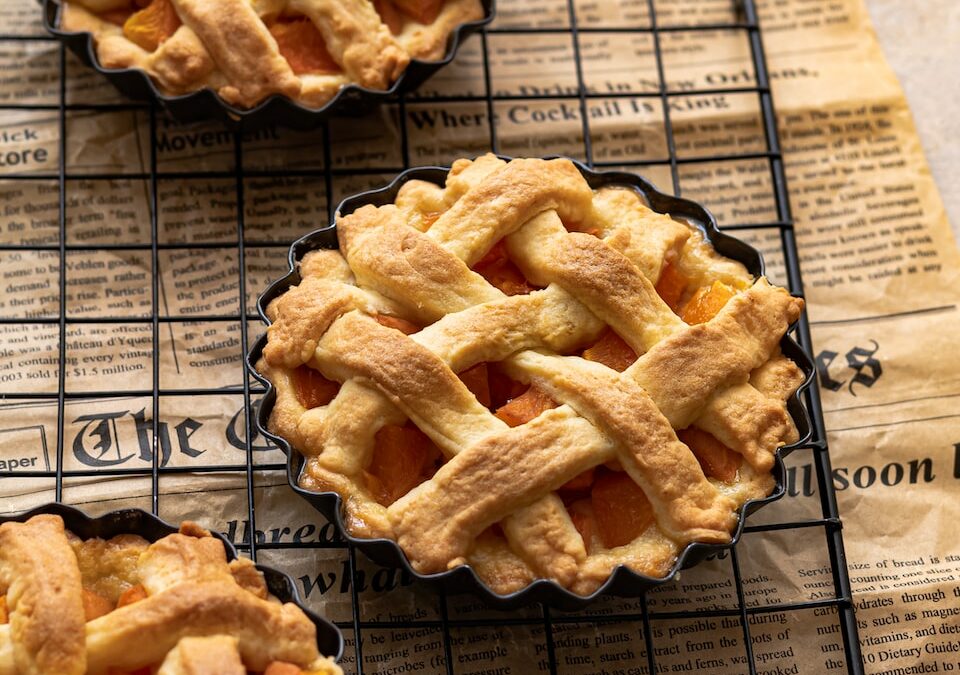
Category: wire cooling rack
[546,641]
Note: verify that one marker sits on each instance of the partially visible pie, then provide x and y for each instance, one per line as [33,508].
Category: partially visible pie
[536,378]
[248,50]
[124,606]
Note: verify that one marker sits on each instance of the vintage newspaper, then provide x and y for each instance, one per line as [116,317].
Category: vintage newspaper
[878,259]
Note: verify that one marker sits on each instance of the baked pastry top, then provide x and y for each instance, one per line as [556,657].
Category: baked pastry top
[539,379]
[248,50]
[124,606]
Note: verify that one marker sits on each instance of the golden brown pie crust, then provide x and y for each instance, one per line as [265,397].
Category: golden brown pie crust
[725,377]
[225,45]
[191,594]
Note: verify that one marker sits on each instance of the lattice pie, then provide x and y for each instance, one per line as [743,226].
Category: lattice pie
[248,50]
[464,372]
[124,606]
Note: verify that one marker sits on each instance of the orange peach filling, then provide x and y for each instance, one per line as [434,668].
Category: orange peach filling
[671,286]
[304,48]
[503,389]
[607,507]
[153,25]
[403,457]
[312,389]
[611,351]
[132,595]
[622,510]
[95,605]
[717,460]
[702,306]
[525,407]
[579,483]
[497,268]
[706,303]
[402,325]
[477,380]
[421,11]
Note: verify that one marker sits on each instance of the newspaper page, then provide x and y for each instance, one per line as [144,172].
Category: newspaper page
[877,255]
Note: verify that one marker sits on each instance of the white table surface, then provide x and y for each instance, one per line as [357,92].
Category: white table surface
[921,39]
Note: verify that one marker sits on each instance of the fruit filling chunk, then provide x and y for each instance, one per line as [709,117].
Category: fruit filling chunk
[95,605]
[525,407]
[503,388]
[477,380]
[402,325]
[611,351]
[621,509]
[579,483]
[152,26]
[717,460]
[403,457]
[607,507]
[497,268]
[313,389]
[671,286]
[302,45]
[132,595]
[706,303]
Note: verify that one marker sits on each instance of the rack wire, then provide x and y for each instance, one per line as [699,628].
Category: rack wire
[545,625]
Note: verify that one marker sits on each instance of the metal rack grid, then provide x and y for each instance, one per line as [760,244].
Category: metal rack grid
[747,23]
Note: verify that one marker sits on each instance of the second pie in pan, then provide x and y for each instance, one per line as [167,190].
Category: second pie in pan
[249,50]
[124,605]
[541,380]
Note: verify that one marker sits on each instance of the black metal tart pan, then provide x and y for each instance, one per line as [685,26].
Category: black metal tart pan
[623,581]
[204,104]
[152,528]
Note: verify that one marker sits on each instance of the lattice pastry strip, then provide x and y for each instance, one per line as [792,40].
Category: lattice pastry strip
[547,254]
[414,260]
[179,603]
[247,50]
[618,316]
